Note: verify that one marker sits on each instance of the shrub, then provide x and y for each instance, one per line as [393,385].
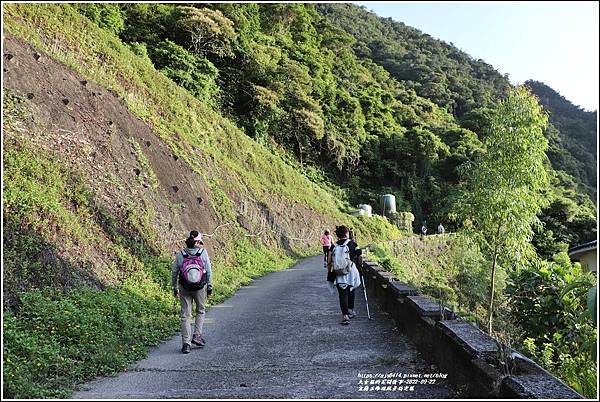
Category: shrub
[140,49]
[57,339]
[106,16]
[548,300]
[205,31]
[194,73]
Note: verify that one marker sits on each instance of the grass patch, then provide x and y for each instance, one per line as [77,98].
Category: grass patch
[447,268]
[58,339]
[146,176]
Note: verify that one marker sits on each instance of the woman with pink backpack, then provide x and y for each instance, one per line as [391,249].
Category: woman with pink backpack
[191,281]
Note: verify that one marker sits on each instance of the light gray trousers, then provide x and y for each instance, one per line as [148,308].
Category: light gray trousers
[186,298]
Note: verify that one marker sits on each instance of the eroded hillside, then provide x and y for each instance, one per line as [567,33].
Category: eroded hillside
[102,177]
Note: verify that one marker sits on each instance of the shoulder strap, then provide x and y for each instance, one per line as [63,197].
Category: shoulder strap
[183,253]
[346,242]
[199,253]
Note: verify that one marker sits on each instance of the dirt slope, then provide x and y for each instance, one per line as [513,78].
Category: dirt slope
[83,122]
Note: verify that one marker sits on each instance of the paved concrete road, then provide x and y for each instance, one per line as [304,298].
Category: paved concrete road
[279,337]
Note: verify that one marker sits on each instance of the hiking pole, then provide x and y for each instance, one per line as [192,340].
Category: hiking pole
[365,292]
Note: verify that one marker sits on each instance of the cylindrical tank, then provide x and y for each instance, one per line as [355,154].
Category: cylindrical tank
[367,208]
[388,204]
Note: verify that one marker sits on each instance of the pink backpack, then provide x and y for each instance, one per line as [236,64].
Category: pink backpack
[192,274]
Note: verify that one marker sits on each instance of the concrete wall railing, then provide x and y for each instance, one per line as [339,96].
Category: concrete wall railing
[472,358]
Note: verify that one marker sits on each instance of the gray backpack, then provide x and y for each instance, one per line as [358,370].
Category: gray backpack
[341,258]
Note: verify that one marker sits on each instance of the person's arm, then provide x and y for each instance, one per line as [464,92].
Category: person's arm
[356,254]
[208,267]
[174,273]
[359,258]
[330,259]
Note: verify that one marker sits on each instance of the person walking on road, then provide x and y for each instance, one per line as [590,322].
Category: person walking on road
[327,241]
[192,283]
[347,278]
[440,229]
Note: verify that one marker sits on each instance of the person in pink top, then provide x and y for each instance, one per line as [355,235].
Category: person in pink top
[327,241]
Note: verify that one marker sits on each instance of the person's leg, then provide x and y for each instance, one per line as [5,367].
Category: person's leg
[343,293]
[343,299]
[351,301]
[199,298]
[186,311]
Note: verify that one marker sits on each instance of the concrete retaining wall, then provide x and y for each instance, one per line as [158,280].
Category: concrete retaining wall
[469,356]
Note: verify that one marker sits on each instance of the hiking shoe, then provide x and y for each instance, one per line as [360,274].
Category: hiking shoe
[351,315]
[186,348]
[198,340]
[345,321]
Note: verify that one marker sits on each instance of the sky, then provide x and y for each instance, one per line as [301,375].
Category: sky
[552,42]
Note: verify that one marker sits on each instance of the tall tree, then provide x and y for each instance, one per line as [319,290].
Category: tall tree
[503,192]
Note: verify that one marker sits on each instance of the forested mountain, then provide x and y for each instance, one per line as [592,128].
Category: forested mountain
[455,81]
[359,102]
[572,136]
[435,69]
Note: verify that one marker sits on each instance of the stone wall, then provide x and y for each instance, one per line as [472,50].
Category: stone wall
[474,360]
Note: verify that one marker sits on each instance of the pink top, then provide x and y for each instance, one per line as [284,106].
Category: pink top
[326,240]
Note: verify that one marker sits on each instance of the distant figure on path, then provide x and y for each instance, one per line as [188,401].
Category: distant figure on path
[327,241]
[440,229]
[347,278]
[424,229]
[191,281]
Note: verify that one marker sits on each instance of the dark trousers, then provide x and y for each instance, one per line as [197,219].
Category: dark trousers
[346,299]
[325,252]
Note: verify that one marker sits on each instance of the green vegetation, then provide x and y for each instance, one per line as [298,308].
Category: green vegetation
[291,79]
[193,73]
[249,260]
[549,300]
[572,136]
[147,176]
[58,339]
[448,268]
[434,69]
[107,16]
[328,84]
[172,112]
[541,307]
[81,269]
